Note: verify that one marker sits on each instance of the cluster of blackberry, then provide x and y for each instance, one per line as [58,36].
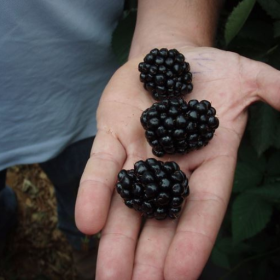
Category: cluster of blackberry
[165,74]
[154,188]
[175,126]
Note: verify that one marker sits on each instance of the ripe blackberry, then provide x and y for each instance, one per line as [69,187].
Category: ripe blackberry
[154,188]
[175,126]
[165,74]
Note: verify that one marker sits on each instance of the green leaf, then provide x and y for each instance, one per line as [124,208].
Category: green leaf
[248,154]
[226,245]
[277,135]
[258,31]
[250,214]
[274,57]
[272,174]
[248,48]
[272,179]
[221,251]
[272,7]
[262,125]
[263,271]
[237,19]
[273,164]
[122,36]
[220,258]
[270,193]
[246,177]
[276,28]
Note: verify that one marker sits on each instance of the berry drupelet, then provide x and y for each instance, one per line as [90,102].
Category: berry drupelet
[165,73]
[154,188]
[175,126]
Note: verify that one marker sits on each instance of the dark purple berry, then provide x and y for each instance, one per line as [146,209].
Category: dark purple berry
[125,193]
[176,201]
[160,213]
[165,74]
[129,203]
[185,126]
[174,212]
[154,188]
[163,199]
[151,190]
[147,207]
[177,189]
[119,188]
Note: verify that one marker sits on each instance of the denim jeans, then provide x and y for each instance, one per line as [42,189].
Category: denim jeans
[8,210]
[65,171]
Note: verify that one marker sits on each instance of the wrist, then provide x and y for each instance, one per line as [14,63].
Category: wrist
[174,24]
[141,46]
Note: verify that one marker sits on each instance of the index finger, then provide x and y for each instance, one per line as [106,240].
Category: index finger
[97,183]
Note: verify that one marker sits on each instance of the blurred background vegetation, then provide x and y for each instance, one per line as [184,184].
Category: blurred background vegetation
[248,245]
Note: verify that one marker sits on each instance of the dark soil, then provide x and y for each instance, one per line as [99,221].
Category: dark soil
[37,249]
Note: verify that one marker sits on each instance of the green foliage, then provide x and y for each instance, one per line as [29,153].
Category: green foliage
[237,19]
[277,29]
[273,164]
[220,252]
[263,125]
[246,177]
[251,225]
[268,193]
[277,137]
[122,36]
[250,214]
[248,154]
[272,7]
[273,57]
[257,31]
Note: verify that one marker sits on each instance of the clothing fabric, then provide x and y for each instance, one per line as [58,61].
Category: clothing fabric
[8,212]
[64,171]
[55,60]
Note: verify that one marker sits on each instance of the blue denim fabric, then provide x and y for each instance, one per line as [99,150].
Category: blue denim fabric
[65,172]
[8,210]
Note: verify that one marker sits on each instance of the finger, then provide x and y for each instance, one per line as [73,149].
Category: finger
[97,183]
[152,249]
[222,135]
[266,82]
[210,188]
[119,238]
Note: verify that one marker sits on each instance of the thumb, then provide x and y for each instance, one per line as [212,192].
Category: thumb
[265,82]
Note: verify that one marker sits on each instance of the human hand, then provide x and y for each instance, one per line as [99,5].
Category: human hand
[169,249]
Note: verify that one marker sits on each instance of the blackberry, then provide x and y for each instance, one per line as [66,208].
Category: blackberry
[175,126]
[154,188]
[165,74]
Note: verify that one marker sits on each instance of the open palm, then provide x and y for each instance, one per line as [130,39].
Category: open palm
[169,249]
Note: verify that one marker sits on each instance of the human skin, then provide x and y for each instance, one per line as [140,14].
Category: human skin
[169,249]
